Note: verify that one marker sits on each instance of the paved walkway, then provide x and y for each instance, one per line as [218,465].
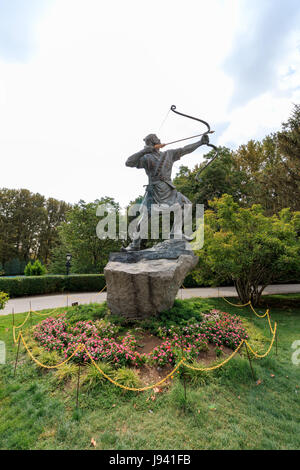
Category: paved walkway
[22,304]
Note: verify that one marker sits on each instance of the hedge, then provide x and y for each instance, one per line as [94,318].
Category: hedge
[50,284]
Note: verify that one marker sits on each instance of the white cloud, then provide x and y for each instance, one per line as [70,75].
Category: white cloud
[104,76]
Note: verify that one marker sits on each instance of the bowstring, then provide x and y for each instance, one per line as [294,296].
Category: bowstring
[163,121]
[176,167]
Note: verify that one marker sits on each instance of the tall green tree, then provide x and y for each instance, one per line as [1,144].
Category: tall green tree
[267,180]
[78,237]
[54,215]
[28,227]
[221,176]
[244,246]
[272,168]
[288,141]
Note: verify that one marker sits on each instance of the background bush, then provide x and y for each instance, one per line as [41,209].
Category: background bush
[13,267]
[3,299]
[35,269]
[38,285]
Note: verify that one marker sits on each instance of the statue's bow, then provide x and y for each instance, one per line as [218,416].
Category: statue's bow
[173,108]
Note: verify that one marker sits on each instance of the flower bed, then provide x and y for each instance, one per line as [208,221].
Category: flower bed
[103,343]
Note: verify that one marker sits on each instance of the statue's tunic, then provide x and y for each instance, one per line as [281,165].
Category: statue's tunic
[158,166]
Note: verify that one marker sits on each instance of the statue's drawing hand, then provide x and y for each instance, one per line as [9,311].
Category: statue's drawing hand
[205,139]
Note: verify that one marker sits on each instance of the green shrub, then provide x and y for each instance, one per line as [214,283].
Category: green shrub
[92,377]
[127,377]
[197,377]
[66,372]
[35,269]
[48,284]
[50,358]
[182,313]
[86,312]
[3,299]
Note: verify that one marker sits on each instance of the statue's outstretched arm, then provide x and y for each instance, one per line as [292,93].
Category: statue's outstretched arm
[178,153]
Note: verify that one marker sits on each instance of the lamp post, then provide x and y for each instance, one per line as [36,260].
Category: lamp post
[68,263]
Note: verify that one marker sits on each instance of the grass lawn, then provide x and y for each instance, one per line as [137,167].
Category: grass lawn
[225,409]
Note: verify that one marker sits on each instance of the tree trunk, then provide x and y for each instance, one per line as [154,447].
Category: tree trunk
[247,291]
[243,290]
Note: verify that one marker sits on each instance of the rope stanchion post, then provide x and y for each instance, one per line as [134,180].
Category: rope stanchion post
[30,315]
[78,382]
[251,367]
[276,342]
[17,356]
[13,321]
[184,378]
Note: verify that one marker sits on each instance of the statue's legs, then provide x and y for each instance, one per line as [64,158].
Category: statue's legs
[180,221]
[136,238]
[182,224]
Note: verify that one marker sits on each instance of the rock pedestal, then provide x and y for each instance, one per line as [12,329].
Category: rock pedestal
[140,284]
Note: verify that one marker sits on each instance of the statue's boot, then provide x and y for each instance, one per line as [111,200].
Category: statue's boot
[187,238]
[182,237]
[135,245]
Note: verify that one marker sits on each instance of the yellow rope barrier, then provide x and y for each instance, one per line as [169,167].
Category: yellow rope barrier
[52,311]
[260,356]
[257,314]
[82,347]
[267,314]
[79,348]
[20,326]
[45,314]
[102,290]
[205,369]
[133,389]
[236,305]
[14,335]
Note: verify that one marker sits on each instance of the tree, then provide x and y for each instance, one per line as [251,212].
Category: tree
[28,227]
[272,168]
[267,179]
[54,214]
[78,236]
[221,176]
[246,247]
[288,141]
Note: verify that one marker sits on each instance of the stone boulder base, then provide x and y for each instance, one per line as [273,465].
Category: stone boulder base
[142,285]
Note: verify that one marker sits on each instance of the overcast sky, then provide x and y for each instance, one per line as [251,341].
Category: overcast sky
[83,81]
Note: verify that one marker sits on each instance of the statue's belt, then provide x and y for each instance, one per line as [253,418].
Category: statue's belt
[154,182]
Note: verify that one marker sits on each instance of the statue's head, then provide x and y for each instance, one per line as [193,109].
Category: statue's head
[151,139]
